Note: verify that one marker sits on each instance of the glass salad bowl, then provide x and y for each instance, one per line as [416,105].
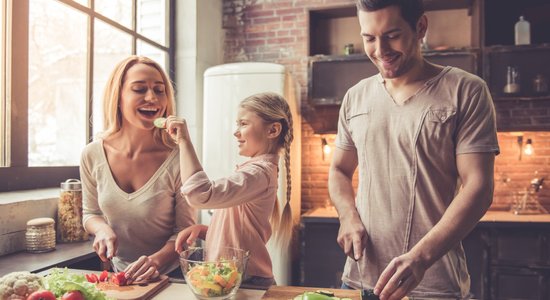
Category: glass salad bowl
[213,273]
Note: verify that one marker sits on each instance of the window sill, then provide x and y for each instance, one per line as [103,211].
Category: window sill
[28,195]
[16,208]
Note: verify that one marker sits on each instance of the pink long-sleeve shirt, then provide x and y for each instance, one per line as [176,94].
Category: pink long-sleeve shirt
[244,202]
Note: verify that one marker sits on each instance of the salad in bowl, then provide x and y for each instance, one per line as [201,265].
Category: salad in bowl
[213,273]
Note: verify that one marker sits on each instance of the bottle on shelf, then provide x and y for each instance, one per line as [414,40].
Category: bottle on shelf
[522,32]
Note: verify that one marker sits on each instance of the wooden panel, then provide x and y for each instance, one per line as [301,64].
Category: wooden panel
[517,283]
[518,247]
[133,292]
[322,258]
[289,292]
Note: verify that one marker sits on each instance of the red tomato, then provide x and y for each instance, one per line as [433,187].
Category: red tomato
[73,295]
[92,278]
[104,276]
[41,295]
[119,278]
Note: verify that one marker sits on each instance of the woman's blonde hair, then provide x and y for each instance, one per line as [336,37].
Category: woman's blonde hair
[272,107]
[112,116]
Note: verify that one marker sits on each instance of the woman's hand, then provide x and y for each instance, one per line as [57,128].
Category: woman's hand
[143,269]
[188,236]
[177,128]
[105,243]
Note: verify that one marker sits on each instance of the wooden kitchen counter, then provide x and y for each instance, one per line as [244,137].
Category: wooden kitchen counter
[182,291]
[63,255]
[330,215]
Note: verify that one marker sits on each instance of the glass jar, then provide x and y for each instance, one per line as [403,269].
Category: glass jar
[348,49]
[540,84]
[40,235]
[69,212]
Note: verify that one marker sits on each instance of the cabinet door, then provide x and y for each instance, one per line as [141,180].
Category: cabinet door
[476,248]
[322,259]
[518,247]
[518,283]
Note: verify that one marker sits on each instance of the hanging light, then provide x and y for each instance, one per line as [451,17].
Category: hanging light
[325,147]
[528,148]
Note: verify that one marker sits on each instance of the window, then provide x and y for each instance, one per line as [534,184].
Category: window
[61,53]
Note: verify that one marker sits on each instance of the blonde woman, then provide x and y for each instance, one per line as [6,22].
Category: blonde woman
[245,201]
[131,175]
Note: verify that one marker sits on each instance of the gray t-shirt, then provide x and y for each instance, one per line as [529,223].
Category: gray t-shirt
[143,220]
[407,168]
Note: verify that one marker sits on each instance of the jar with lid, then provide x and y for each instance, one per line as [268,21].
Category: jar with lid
[40,235]
[540,84]
[348,49]
[69,212]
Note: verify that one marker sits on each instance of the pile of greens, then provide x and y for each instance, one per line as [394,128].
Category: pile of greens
[60,281]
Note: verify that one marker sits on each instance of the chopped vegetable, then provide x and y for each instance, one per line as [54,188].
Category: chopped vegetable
[19,285]
[213,279]
[60,281]
[119,278]
[318,295]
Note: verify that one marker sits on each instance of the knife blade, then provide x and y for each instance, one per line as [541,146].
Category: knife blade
[360,275]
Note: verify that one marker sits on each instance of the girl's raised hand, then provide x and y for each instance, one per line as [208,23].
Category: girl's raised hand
[177,128]
[189,235]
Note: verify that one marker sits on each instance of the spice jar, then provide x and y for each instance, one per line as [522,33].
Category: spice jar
[348,49]
[69,212]
[40,235]
[540,84]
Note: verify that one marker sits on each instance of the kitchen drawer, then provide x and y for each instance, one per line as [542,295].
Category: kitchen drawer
[322,259]
[519,247]
[519,283]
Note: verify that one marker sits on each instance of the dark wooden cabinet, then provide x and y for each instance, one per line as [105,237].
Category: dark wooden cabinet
[506,260]
[322,260]
[515,260]
[489,53]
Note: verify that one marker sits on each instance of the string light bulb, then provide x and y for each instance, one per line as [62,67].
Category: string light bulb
[326,147]
[528,148]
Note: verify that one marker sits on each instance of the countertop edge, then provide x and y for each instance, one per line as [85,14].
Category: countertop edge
[64,254]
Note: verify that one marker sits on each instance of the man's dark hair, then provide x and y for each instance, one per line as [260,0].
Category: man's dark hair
[411,10]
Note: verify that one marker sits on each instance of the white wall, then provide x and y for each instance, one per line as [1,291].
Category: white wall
[199,42]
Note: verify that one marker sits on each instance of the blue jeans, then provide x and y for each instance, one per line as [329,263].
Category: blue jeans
[346,287]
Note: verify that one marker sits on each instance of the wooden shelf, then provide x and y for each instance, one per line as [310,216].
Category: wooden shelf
[517,48]
[521,98]
[443,5]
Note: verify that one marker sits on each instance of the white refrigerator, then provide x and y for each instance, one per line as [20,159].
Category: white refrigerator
[224,87]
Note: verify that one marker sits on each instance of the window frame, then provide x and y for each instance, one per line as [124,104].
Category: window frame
[17,175]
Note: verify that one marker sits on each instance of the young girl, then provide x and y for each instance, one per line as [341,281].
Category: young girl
[246,201]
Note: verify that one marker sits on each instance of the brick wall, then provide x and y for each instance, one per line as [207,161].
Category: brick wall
[513,175]
[277,31]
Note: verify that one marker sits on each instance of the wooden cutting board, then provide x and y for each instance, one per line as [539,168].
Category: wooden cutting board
[289,292]
[134,291]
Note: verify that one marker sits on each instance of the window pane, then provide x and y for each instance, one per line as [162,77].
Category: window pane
[57,84]
[3,119]
[111,46]
[117,10]
[154,53]
[151,20]
[83,2]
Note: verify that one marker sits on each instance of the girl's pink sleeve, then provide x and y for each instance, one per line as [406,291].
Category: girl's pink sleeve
[242,186]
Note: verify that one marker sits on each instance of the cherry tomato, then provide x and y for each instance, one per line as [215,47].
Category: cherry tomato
[119,278]
[92,278]
[104,276]
[41,295]
[73,295]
